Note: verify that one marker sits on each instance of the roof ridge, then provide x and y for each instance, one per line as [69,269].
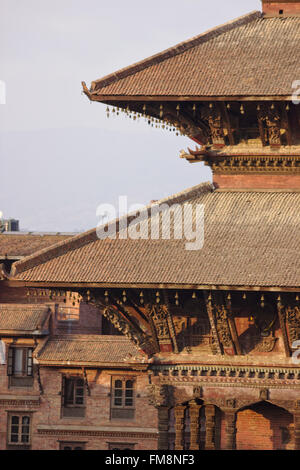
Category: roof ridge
[174,50]
[85,238]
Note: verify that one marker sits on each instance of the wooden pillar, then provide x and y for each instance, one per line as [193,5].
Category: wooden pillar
[230,430]
[179,427]
[194,425]
[163,428]
[297,430]
[210,427]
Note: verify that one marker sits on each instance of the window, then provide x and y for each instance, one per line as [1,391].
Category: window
[19,430]
[73,397]
[72,445]
[122,404]
[120,446]
[19,367]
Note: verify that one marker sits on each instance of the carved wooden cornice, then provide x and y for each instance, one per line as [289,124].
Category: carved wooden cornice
[228,376]
[241,163]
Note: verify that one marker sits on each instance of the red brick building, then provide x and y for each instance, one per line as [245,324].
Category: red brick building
[208,359]
[63,367]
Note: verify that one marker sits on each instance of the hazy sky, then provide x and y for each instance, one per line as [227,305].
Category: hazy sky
[60,156]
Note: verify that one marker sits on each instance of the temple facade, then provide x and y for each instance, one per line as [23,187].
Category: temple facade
[207,356]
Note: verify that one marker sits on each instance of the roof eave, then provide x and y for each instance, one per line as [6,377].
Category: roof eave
[127,285]
[107,99]
[92,365]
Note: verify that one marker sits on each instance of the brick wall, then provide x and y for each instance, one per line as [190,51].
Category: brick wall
[257,181]
[288,8]
[264,427]
[49,428]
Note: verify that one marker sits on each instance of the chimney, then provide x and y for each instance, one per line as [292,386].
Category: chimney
[281,8]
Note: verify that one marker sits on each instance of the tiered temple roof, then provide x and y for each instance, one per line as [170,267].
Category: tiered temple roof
[250,239]
[247,57]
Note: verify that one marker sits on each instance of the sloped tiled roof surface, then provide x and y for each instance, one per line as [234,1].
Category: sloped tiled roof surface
[20,317]
[250,238]
[23,244]
[89,348]
[252,55]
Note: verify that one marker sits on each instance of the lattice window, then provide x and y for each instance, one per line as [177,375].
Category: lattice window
[123,398]
[19,429]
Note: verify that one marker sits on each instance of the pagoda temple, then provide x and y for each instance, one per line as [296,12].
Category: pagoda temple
[217,326]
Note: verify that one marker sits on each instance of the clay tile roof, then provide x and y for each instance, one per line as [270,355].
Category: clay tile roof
[23,318]
[92,349]
[251,238]
[18,244]
[251,55]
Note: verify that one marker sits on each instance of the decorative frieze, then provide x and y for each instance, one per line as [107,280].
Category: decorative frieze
[227,376]
[244,161]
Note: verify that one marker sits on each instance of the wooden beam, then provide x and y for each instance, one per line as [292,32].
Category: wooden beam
[111,98]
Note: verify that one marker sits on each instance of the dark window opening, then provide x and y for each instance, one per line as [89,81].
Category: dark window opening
[73,397]
[72,446]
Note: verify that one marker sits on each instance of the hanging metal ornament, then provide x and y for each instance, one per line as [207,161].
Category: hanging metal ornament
[161,111]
